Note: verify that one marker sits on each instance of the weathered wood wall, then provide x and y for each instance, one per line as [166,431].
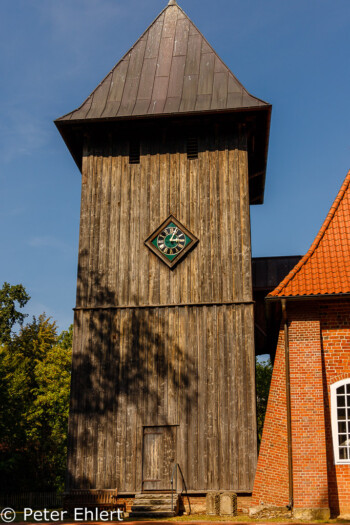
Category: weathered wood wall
[156,346]
[186,366]
[122,204]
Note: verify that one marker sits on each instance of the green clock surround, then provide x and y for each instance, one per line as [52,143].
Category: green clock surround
[171,241]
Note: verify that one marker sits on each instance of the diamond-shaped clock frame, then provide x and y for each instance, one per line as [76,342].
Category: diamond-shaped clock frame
[179,257]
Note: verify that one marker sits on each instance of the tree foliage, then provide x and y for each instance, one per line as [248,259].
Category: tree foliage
[263,380]
[34,399]
[9,315]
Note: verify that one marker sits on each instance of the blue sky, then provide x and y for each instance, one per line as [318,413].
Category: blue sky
[293,54]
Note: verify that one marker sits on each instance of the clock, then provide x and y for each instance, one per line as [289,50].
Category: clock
[171,241]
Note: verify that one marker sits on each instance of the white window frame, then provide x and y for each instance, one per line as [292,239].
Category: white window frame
[334,416]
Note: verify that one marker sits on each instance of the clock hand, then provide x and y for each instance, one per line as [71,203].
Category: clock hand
[172,237]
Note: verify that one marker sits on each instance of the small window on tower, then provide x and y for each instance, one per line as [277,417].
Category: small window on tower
[192,148]
[340,406]
[134,151]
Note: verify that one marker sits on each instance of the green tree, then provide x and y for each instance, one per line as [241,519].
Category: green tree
[66,338]
[9,315]
[263,380]
[34,400]
[49,415]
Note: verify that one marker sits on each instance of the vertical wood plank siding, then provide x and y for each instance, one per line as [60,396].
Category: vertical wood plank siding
[122,204]
[190,368]
[139,364]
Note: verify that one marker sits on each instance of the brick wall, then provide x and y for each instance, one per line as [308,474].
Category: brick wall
[319,340]
[244,502]
[198,504]
[126,502]
[307,406]
[335,324]
[271,480]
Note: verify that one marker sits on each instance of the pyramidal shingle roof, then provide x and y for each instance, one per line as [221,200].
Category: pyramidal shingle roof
[325,268]
[171,69]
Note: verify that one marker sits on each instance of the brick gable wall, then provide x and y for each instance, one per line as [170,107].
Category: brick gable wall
[319,342]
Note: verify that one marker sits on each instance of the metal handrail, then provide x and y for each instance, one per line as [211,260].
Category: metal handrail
[174,471]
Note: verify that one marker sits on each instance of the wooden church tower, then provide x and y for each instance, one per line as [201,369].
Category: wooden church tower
[172,150]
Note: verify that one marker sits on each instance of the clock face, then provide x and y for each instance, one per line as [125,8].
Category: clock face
[171,241]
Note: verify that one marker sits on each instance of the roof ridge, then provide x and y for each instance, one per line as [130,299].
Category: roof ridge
[317,239]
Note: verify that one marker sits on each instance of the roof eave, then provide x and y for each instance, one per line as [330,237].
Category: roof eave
[66,129]
[70,143]
[65,121]
[267,139]
[308,297]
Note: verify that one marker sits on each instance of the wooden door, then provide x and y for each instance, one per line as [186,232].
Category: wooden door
[159,456]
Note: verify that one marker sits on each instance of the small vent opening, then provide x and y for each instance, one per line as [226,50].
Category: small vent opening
[192,148]
[134,152]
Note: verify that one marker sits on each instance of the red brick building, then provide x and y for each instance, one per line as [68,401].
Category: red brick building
[304,458]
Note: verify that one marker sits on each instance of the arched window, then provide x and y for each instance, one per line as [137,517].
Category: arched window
[340,409]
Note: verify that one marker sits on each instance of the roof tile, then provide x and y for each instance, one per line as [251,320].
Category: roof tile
[324,269]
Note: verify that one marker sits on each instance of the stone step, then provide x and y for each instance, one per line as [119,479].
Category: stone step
[160,514]
[154,505]
[163,496]
[154,501]
[150,507]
